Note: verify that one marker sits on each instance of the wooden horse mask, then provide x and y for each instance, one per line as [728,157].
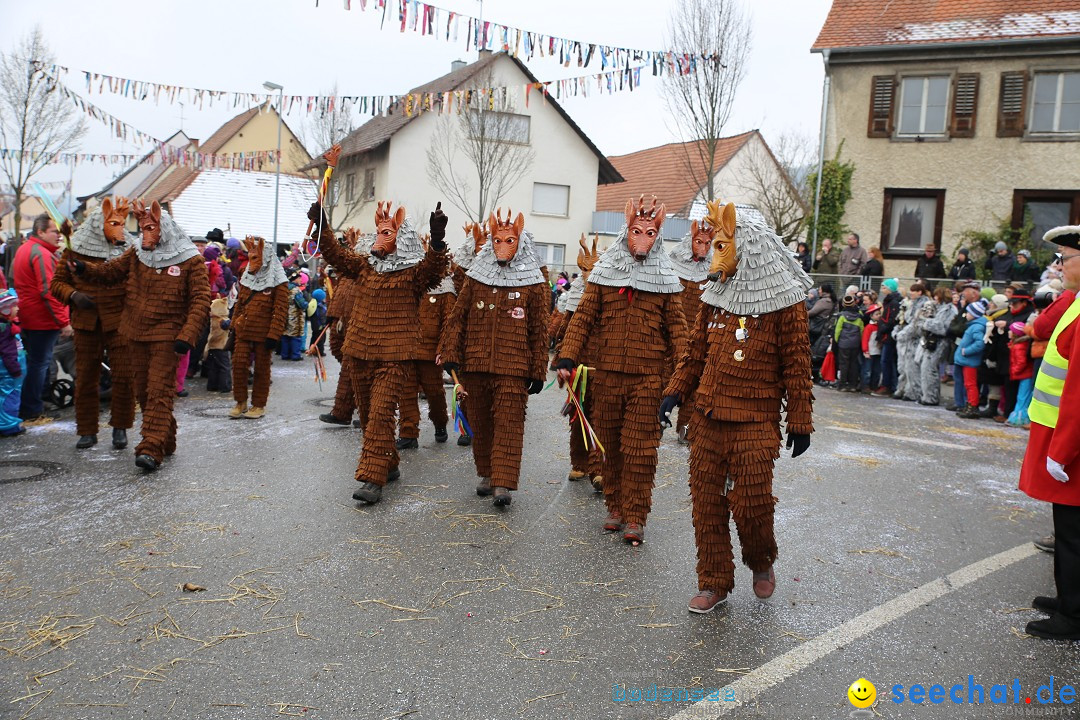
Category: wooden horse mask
[149,223]
[587,257]
[643,226]
[386,230]
[254,247]
[505,235]
[478,233]
[114,213]
[725,262]
[701,240]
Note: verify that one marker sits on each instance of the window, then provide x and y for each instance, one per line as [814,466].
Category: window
[550,255]
[1056,103]
[923,102]
[551,199]
[502,126]
[369,184]
[350,187]
[1048,209]
[910,220]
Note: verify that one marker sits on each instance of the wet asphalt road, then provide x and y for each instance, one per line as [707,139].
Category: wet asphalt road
[433,604]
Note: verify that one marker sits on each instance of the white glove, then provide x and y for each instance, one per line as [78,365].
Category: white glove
[1056,470]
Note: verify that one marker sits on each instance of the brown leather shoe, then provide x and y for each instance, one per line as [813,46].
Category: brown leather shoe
[576,475]
[706,601]
[597,483]
[613,522]
[764,583]
[633,533]
[483,488]
[500,497]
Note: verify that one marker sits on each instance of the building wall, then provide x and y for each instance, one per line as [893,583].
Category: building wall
[978,174]
[260,133]
[562,158]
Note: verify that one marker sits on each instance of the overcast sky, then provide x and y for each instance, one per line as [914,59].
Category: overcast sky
[237,44]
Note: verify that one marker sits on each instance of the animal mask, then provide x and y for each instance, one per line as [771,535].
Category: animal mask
[254,246]
[643,226]
[386,229]
[722,224]
[479,235]
[149,223]
[587,257]
[505,235]
[701,240]
[114,213]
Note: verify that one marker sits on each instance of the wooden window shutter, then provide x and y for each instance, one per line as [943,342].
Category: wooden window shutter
[965,103]
[882,94]
[1012,105]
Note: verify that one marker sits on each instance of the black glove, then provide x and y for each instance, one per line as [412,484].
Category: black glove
[667,406]
[534,386]
[316,215]
[181,348]
[437,224]
[566,364]
[270,343]
[800,443]
[451,367]
[77,266]
[226,324]
[82,301]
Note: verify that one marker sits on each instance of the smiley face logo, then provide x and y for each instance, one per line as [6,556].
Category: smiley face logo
[862,693]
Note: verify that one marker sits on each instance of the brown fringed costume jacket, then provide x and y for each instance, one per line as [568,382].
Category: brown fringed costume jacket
[260,315]
[108,298]
[434,312]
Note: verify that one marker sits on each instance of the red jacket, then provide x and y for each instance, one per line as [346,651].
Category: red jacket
[33,268]
[1020,365]
[1047,320]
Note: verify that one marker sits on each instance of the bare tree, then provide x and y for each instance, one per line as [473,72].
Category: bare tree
[481,146]
[776,176]
[35,120]
[320,132]
[699,102]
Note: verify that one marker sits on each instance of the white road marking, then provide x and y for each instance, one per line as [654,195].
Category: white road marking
[780,668]
[902,438]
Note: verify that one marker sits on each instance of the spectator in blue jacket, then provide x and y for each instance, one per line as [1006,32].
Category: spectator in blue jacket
[968,356]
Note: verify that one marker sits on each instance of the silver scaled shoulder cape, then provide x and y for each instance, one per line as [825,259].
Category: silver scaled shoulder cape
[89,238]
[407,253]
[768,277]
[573,296]
[271,273]
[523,270]
[682,259]
[465,254]
[175,246]
[444,287]
[618,268]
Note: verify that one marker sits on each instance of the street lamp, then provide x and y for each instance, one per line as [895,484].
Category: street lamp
[271,86]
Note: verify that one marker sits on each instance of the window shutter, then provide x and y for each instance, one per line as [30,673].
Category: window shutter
[1012,105]
[965,103]
[882,92]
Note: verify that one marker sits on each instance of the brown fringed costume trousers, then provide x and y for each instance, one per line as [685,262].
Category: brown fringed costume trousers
[241,361]
[381,383]
[154,365]
[581,460]
[686,412]
[345,398]
[89,354]
[496,414]
[425,375]
[731,473]
[624,418]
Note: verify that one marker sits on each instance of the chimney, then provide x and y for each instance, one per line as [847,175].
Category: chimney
[457,65]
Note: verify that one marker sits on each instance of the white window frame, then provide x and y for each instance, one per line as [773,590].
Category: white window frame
[1058,102]
[475,115]
[547,254]
[921,132]
[566,214]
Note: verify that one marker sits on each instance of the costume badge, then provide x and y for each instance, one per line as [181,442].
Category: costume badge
[431,299]
[480,305]
[517,313]
[267,291]
[174,270]
[739,356]
[513,296]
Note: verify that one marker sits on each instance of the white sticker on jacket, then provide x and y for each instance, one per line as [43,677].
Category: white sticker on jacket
[174,270]
[517,313]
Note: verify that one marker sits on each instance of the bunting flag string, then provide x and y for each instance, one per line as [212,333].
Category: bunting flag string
[442,23]
[163,155]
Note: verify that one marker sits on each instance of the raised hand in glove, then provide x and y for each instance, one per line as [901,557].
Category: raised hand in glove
[798,444]
[1056,470]
[534,386]
[316,215]
[65,228]
[437,222]
[82,301]
[181,348]
[270,343]
[667,406]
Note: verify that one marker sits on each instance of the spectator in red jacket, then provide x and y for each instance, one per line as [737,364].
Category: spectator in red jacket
[43,318]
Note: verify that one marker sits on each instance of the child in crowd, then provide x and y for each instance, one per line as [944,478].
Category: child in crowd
[13,366]
[318,320]
[217,362]
[293,338]
[968,357]
[1021,374]
[871,350]
[848,339]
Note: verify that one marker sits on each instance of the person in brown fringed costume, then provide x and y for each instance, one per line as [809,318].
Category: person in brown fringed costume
[338,315]
[95,316]
[691,258]
[496,337]
[748,359]
[583,462]
[631,318]
[258,320]
[166,303]
[384,329]
[423,374]
[476,234]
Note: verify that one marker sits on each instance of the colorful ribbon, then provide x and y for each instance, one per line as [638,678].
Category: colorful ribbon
[576,395]
[461,424]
